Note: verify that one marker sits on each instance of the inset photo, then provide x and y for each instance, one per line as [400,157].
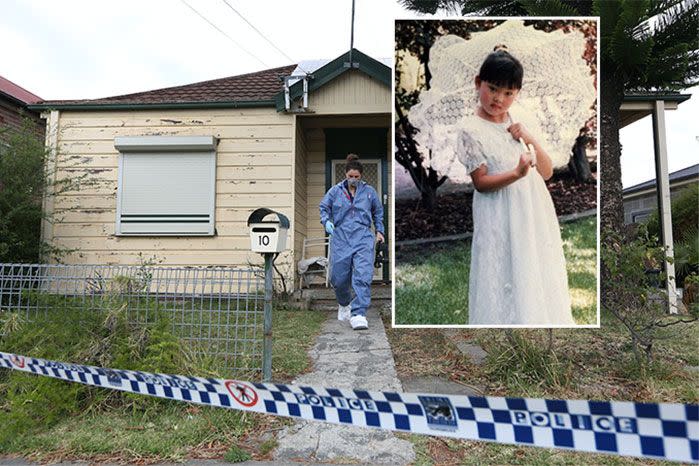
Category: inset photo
[496,185]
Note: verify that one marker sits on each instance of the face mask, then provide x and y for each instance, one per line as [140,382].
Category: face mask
[353,182]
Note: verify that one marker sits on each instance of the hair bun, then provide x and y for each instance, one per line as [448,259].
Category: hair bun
[500,48]
[352,157]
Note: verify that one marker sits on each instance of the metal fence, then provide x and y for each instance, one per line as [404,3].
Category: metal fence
[218,312]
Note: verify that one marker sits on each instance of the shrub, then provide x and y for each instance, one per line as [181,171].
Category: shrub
[632,296]
[685,231]
[22,183]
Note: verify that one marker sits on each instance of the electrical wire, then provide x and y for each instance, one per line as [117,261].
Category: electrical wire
[263,36]
[222,32]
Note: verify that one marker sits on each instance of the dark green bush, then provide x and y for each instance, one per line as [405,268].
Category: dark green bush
[685,215]
[685,231]
[22,186]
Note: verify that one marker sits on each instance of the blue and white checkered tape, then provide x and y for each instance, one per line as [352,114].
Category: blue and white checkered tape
[650,430]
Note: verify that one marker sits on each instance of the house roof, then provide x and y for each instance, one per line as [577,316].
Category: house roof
[679,175]
[642,95]
[17,93]
[260,89]
[257,88]
[360,61]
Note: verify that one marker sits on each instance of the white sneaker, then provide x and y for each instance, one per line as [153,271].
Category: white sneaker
[344,312]
[359,323]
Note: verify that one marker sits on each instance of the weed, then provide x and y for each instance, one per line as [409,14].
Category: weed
[236,455]
[267,446]
[524,361]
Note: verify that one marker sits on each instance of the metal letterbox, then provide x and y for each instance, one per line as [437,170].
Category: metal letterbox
[268,235]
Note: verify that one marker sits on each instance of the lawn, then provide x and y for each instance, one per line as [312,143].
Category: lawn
[72,421]
[432,281]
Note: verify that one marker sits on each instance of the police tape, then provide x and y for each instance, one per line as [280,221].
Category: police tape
[651,430]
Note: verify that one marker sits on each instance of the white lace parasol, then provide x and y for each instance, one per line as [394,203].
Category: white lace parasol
[555,101]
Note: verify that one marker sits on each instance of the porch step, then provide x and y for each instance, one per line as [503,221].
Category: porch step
[323,299]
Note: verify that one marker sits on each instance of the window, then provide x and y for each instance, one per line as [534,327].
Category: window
[166,185]
[640,216]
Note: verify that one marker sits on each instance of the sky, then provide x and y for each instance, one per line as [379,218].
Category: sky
[637,157]
[78,49]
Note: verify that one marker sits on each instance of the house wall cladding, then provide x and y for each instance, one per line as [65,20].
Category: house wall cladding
[648,202]
[254,168]
[352,92]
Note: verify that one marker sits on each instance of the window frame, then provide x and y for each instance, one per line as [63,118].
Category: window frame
[165,145]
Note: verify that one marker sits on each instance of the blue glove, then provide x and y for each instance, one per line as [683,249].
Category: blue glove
[329,227]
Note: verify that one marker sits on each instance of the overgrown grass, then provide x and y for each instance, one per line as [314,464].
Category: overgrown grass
[432,281]
[208,325]
[51,419]
[593,364]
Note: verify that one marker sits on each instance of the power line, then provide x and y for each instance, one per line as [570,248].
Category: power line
[222,32]
[263,36]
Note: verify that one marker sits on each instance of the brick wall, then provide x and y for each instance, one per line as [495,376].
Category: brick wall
[11,116]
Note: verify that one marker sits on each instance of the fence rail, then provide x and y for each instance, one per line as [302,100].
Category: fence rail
[218,311]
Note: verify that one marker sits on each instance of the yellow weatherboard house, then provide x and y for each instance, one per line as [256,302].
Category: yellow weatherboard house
[174,173]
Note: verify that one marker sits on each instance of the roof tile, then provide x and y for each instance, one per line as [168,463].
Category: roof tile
[261,85]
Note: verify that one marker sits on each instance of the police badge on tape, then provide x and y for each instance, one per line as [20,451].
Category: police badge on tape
[439,412]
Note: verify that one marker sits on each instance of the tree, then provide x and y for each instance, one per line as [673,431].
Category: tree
[24,179]
[415,37]
[645,44]
[22,183]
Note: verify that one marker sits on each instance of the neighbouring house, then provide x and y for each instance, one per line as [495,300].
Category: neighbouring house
[13,106]
[637,105]
[174,173]
[642,199]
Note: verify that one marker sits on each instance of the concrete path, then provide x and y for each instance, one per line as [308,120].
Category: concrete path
[344,358]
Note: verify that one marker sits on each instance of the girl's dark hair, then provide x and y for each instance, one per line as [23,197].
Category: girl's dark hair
[353,163]
[502,69]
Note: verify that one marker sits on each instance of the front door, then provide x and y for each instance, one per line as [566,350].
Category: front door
[372,175]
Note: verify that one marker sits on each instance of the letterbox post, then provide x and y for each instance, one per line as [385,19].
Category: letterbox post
[267,350]
[269,239]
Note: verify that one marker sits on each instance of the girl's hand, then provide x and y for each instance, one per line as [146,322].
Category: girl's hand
[523,166]
[517,130]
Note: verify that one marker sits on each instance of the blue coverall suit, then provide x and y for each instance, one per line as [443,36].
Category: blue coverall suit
[352,242]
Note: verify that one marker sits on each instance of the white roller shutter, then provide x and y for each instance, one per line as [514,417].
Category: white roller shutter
[166,185]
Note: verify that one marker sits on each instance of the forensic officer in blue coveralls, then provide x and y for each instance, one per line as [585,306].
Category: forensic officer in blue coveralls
[346,212]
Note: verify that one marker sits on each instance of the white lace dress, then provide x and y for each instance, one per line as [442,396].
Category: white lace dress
[518,271]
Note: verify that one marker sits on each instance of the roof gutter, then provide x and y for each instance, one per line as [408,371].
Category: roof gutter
[152,106]
[654,97]
[14,99]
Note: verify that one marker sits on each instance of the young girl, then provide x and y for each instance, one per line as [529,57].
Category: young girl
[518,272]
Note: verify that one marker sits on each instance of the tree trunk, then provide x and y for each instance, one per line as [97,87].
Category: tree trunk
[612,213]
[609,163]
[578,164]
[426,179]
